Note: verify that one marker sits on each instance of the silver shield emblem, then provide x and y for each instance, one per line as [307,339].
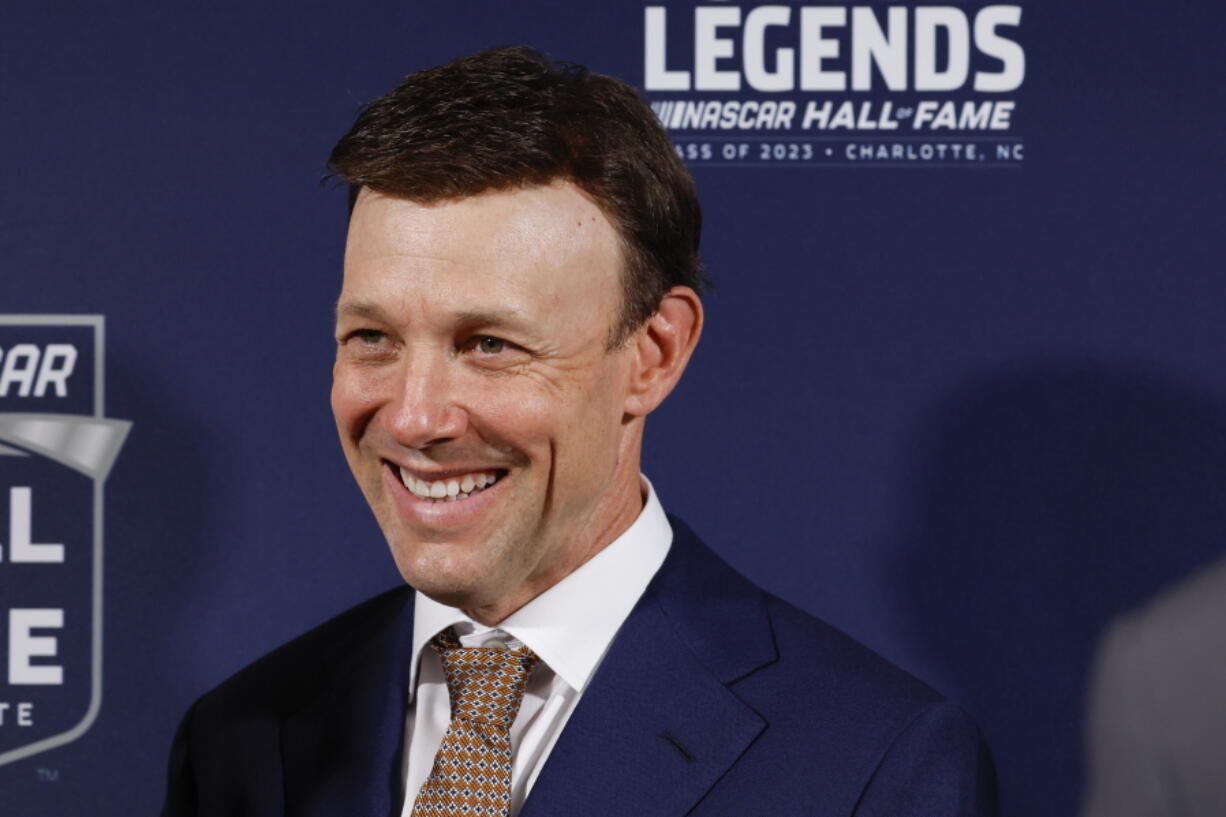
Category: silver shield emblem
[56,449]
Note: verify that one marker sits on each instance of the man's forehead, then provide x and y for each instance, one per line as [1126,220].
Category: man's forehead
[506,219]
[502,258]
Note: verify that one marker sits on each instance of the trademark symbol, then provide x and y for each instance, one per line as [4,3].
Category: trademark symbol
[49,775]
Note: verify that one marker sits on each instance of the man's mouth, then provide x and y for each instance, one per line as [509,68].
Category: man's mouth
[451,489]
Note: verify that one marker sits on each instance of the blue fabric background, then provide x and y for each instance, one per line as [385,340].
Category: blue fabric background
[965,415]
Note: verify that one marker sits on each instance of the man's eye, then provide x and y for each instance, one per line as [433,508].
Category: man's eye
[491,346]
[367,335]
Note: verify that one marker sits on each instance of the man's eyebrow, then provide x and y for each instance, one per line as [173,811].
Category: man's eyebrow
[508,318]
[493,317]
[359,309]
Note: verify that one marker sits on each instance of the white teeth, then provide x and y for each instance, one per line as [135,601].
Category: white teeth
[448,490]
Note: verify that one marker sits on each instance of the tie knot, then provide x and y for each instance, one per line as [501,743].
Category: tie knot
[486,684]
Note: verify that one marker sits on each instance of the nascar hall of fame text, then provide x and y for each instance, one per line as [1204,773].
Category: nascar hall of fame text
[56,449]
[834,85]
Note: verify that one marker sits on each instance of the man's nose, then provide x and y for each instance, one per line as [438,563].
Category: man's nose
[426,412]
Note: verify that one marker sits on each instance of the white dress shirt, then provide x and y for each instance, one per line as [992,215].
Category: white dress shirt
[569,627]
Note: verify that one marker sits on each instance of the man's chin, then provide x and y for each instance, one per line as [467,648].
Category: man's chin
[454,583]
[467,599]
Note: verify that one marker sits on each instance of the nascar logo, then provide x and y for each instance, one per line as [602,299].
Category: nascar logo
[56,450]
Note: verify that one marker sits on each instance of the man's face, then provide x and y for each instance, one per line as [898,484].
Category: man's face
[472,347]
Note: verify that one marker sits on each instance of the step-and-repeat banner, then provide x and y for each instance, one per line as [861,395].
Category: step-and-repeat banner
[962,390]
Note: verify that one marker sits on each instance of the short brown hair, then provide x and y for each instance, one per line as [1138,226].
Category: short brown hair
[510,117]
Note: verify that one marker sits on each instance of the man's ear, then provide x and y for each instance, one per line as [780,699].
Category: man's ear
[662,348]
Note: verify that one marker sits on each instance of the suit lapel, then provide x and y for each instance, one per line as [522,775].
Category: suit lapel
[656,728]
[658,725]
[342,750]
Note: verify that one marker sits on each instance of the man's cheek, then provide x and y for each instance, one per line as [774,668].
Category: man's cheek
[518,413]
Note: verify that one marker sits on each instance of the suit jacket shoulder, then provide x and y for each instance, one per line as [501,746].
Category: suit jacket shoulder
[281,681]
[312,728]
[841,725]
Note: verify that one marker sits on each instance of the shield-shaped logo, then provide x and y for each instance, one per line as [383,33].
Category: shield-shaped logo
[56,448]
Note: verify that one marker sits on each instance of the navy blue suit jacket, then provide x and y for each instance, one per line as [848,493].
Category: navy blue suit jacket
[715,698]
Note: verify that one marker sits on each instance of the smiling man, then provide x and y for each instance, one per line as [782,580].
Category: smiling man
[492,425]
[521,290]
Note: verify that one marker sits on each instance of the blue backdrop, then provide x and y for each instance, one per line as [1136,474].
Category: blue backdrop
[964,411]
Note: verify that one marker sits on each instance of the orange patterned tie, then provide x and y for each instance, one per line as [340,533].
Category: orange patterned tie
[472,770]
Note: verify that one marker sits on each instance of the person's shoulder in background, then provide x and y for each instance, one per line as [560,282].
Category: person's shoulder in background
[1156,717]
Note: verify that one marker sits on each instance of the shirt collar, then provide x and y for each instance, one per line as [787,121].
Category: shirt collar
[571,625]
